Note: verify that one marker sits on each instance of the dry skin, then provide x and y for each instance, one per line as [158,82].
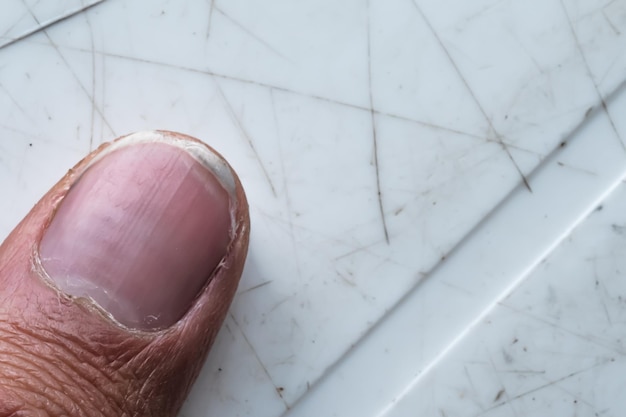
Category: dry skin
[61,356]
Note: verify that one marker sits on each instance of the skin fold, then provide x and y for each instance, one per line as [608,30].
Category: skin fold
[62,356]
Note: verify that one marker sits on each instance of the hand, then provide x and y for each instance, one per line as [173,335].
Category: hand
[114,286]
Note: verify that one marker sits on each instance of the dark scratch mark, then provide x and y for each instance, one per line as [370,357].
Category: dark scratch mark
[517,148]
[592,12]
[471,381]
[619,229]
[550,383]
[458,288]
[93,83]
[82,87]
[482,11]
[255,287]
[611,25]
[291,91]
[603,293]
[474,97]
[527,52]
[507,357]
[378,189]
[590,74]
[468,168]
[69,67]
[21,165]
[577,399]
[248,32]
[575,168]
[496,372]
[14,101]
[229,330]
[508,153]
[294,325]
[334,239]
[48,24]
[523,371]
[421,123]
[373,121]
[606,312]
[287,192]
[18,131]
[609,68]
[256,355]
[604,344]
[499,395]
[15,23]
[363,248]
[582,401]
[208,29]
[103,90]
[246,136]
[350,283]
[278,304]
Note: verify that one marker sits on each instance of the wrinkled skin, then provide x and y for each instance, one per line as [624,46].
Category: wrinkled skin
[62,357]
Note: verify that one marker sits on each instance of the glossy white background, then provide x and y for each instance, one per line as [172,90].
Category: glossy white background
[421,176]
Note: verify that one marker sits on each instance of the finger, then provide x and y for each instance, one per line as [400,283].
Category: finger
[114,286]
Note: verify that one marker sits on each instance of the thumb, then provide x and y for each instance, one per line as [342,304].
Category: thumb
[114,286]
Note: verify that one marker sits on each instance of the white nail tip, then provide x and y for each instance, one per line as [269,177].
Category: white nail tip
[198,151]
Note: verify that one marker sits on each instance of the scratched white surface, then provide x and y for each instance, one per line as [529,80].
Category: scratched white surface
[399,263]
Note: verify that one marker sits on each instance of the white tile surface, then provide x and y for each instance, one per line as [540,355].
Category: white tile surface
[373,138]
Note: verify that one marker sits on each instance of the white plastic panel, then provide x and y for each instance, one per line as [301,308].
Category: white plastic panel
[402,160]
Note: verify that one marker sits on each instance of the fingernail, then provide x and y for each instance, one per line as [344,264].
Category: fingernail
[142,230]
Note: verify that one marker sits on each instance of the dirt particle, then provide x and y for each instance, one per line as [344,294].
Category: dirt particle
[499,395]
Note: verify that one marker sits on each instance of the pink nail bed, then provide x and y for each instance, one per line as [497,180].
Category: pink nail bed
[142,230]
